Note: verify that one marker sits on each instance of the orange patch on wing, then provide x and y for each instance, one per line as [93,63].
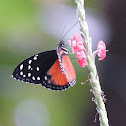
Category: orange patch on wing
[57,77]
[69,69]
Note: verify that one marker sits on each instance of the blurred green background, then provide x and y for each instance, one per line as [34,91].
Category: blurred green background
[26,28]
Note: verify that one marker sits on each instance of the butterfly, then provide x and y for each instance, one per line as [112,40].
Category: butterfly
[52,69]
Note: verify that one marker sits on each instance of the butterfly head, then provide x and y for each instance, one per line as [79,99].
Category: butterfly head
[63,47]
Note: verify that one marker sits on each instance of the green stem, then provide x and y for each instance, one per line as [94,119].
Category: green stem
[95,83]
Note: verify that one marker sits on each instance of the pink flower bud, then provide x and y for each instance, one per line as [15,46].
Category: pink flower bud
[81,58]
[101,50]
[76,43]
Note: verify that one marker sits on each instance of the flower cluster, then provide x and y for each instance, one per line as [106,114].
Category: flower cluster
[76,44]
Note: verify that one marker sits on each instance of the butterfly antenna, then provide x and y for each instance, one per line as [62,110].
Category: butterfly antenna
[63,30]
[70,29]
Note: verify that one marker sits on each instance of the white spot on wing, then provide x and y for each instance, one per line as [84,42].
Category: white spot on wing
[38,78]
[24,75]
[37,68]
[21,73]
[45,77]
[33,78]
[29,67]
[29,74]
[21,66]
[35,58]
[29,61]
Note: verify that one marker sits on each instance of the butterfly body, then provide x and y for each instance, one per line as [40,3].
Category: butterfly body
[52,69]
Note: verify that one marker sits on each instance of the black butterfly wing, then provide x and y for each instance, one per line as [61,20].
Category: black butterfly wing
[34,68]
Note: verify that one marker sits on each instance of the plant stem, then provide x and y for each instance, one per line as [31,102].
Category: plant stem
[94,81]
